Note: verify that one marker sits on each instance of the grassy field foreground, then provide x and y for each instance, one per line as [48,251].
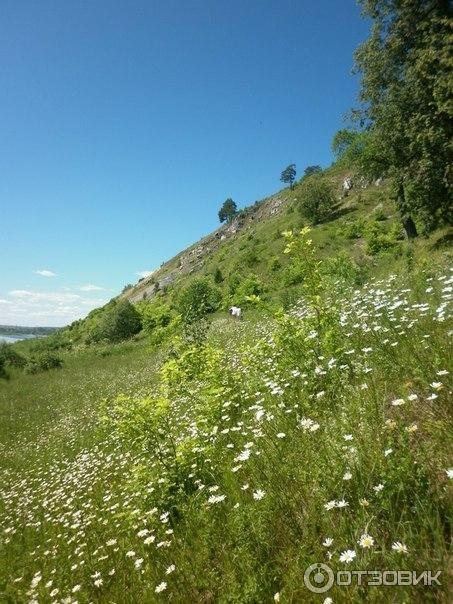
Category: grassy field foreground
[220,471]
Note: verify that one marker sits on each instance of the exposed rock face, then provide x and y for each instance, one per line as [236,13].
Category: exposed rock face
[347,185]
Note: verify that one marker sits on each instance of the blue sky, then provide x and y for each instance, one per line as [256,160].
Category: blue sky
[126,124]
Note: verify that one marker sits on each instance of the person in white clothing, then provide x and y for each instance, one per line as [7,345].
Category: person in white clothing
[235,311]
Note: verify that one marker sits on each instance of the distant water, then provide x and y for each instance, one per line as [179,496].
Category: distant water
[11,339]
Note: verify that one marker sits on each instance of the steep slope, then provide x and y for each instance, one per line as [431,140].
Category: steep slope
[192,260]
[363,226]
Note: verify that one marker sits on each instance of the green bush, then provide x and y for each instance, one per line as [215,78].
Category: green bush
[344,267]
[119,322]
[217,275]
[249,258]
[250,286]
[379,214]
[275,264]
[378,239]
[60,340]
[43,362]
[315,198]
[353,229]
[293,274]
[9,356]
[154,314]
[198,299]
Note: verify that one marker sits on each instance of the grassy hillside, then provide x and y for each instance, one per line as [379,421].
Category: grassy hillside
[218,462]
[361,237]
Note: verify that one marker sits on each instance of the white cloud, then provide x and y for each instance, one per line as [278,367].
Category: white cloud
[45,273]
[31,297]
[89,287]
[55,308]
[143,274]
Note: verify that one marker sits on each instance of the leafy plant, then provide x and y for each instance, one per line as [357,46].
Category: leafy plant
[118,322]
[315,198]
[198,299]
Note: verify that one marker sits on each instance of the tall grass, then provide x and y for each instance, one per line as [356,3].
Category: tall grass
[319,435]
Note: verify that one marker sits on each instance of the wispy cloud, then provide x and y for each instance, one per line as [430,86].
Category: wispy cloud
[55,308]
[45,273]
[89,287]
[144,274]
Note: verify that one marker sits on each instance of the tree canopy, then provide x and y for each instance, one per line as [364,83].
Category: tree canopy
[309,170]
[228,210]
[288,175]
[406,92]
[315,198]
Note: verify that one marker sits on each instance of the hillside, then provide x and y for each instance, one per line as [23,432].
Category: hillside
[207,459]
[253,240]
[243,262]
[298,450]
[221,463]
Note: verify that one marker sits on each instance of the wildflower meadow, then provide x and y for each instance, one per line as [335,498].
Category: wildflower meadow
[220,470]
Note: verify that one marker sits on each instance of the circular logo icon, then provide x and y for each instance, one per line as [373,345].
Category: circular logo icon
[319,578]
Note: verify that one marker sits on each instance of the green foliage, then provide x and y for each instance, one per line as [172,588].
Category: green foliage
[228,210]
[218,276]
[406,91]
[309,170]
[61,340]
[315,198]
[43,362]
[198,299]
[379,214]
[342,266]
[249,258]
[10,356]
[251,286]
[275,264]
[118,322]
[154,314]
[220,468]
[380,239]
[353,229]
[288,175]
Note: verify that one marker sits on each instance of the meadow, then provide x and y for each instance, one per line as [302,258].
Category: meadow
[220,466]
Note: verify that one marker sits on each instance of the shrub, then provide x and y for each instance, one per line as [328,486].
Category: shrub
[251,286]
[119,322]
[293,274]
[343,266]
[275,264]
[379,214]
[58,341]
[249,258]
[217,275]
[43,362]
[353,229]
[198,299]
[379,240]
[315,198]
[8,356]
[154,314]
